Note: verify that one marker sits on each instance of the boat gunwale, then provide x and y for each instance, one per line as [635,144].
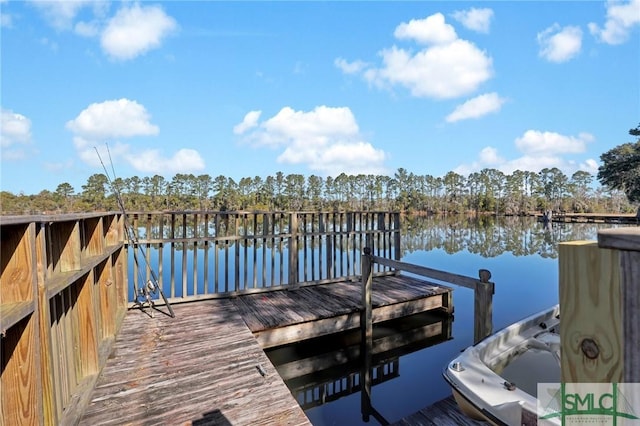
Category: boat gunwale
[478,352]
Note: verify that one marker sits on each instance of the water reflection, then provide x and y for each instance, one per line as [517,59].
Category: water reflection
[325,369]
[490,236]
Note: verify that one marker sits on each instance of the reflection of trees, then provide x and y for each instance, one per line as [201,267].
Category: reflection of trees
[489,236]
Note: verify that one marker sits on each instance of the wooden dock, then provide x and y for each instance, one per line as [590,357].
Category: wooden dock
[443,413]
[239,283]
[617,218]
[282,317]
[205,366]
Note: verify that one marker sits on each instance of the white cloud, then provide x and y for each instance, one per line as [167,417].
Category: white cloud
[326,140]
[112,119]
[622,17]
[477,107]
[152,161]
[123,118]
[475,19]
[590,165]
[60,14]
[443,71]
[540,150]
[352,158]
[559,44]
[250,121]
[322,122]
[15,128]
[489,155]
[537,142]
[430,30]
[350,67]
[132,31]
[448,67]
[136,29]
[15,136]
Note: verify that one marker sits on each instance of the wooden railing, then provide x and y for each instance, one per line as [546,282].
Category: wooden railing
[62,299]
[482,287]
[65,287]
[202,255]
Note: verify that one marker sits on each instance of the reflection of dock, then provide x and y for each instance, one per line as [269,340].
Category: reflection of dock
[620,218]
[314,395]
[325,369]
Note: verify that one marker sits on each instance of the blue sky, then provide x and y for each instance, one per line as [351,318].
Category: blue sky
[245,89]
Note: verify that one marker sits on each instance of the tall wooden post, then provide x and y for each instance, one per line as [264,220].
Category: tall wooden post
[483,306]
[626,241]
[589,284]
[293,251]
[367,279]
[366,328]
[600,308]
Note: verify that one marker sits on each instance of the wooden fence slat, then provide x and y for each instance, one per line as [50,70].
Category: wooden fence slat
[296,247]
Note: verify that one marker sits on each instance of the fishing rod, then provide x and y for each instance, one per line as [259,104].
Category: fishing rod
[146,293]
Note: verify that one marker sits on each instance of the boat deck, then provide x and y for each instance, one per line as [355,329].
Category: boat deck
[206,366]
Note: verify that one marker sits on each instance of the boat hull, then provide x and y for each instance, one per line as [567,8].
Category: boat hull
[496,379]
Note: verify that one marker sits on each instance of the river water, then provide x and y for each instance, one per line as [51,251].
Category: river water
[521,255]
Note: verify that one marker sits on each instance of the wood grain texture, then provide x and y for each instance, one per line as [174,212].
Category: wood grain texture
[19,388]
[93,235]
[49,412]
[87,352]
[280,317]
[200,368]
[626,238]
[630,275]
[591,315]
[16,257]
[443,413]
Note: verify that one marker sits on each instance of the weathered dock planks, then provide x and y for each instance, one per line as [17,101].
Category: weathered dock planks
[203,367]
[283,317]
[443,413]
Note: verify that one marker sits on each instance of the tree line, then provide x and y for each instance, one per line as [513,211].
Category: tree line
[487,191]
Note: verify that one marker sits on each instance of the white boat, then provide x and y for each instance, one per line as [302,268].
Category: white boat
[496,379]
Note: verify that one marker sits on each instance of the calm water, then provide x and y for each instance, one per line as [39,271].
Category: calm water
[522,257]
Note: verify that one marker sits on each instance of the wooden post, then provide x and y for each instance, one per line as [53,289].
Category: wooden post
[626,242]
[397,239]
[293,251]
[590,300]
[483,306]
[366,328]
[367,279]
